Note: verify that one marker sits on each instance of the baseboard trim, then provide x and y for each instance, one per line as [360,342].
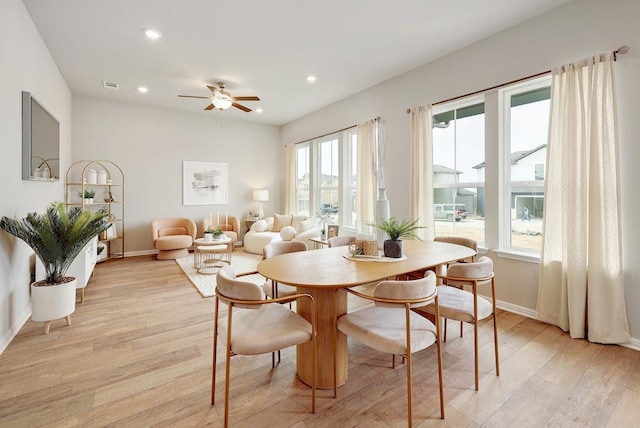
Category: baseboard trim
[15,328]
[531,313]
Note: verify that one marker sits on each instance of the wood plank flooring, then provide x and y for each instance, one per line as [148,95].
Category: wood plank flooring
[138,354]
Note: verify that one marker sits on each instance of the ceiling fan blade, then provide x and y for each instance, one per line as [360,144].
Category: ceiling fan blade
[250,98]
[192,96]
[241,107]
[210,107]
[213,89]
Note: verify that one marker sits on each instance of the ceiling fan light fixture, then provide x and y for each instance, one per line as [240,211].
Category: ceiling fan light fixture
[221,101]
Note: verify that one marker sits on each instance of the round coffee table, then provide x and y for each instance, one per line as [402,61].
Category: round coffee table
[210,256]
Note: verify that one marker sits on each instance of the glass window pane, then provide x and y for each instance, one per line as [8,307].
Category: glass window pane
[302,180]
[463,215]
[458,145]
[529,124]
[527,204]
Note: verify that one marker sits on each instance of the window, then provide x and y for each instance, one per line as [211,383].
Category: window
[302,179]
[458,169]
[326,177]
[501,207]
[526,122]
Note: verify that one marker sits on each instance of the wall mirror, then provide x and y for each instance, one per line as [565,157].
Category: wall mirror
[40,141]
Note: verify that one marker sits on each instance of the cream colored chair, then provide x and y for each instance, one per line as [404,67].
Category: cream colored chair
[391,327]
[172,237]
[256,326]
[341,241]
[271,288]
[459,240]
[465,306]
[230,225]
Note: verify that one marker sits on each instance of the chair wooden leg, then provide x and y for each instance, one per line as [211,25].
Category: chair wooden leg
[47,325]
[409,400]
[215,353]
[227,369]
[445,330]
[439,350]
[475,351]
[408,356]
[495,325]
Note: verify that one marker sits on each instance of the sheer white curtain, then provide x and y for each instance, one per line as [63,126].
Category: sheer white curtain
[422,169]
[290,180]
[581,288]
[366,185]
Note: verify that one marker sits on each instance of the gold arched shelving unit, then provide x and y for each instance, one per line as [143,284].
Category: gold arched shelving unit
[109,195]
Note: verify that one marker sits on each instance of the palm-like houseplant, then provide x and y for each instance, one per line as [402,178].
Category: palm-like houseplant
[56,236]
[396,230]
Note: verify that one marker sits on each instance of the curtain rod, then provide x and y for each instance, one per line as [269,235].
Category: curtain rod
[377,118]
[620,51]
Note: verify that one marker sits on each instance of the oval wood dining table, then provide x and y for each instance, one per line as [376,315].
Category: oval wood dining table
[325,272]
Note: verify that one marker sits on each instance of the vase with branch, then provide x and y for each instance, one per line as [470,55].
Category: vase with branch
[383,209]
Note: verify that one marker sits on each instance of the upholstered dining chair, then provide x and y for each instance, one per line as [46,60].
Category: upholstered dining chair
[462,305]
[273,289]
[341,241]
[392,327]
[460,240]
[466,242]
[255,326]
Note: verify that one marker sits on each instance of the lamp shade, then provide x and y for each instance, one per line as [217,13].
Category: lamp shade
[261,195]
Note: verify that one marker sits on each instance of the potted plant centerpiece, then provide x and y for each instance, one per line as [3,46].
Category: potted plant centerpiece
[218,234]
[396,230]
[57,237]
[208,234]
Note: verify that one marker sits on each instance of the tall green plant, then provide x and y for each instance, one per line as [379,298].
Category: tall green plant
[396,230]
[57,236]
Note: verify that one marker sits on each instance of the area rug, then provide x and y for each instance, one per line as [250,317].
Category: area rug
[241,262]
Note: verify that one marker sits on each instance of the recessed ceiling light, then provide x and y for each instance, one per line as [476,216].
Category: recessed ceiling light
[152,34]
[259,110]
[143,89]
[311,78]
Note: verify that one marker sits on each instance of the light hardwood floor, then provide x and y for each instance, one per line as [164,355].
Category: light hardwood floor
[138,354]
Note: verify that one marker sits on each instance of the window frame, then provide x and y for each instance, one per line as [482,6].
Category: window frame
[507,186]
[346,205]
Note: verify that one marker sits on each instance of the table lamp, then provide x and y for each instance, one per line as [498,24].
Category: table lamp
[260,196]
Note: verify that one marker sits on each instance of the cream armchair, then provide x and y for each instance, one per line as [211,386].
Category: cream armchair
[172,237]
[230,227]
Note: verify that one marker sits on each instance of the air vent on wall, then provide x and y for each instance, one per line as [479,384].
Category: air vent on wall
[110,85]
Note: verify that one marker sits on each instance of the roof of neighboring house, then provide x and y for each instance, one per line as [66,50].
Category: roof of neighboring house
[515,156]
[441,169]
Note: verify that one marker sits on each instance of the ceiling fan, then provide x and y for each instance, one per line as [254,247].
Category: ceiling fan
[222,99]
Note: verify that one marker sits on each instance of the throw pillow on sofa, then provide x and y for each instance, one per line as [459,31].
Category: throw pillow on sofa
[259,226]
[287,233]
[280,221]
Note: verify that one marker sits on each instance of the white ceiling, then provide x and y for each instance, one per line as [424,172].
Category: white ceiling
[259,47]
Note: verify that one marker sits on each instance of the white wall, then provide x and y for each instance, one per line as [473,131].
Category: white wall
[574,31]
[26,65]
[149,144]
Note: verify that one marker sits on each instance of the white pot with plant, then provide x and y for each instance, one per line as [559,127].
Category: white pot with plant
[87,195]
[208,234]
[396,230]
[57,237]
[218,234]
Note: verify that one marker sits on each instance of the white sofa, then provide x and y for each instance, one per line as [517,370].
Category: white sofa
[278,228]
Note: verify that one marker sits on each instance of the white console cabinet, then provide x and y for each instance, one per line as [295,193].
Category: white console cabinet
[81,268]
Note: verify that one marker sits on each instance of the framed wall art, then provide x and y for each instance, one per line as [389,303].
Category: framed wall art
[205,183]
